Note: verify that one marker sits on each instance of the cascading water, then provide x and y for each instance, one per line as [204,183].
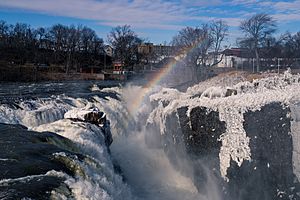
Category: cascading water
[167,144]
[147,168]
[143,172]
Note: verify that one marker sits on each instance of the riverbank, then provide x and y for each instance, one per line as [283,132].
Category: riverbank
[28,73]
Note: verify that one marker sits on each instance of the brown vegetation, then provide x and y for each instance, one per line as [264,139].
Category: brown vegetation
[31,73]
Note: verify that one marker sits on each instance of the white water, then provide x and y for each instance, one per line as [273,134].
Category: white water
[147,171]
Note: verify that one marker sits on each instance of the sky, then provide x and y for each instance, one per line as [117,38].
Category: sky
[154,20]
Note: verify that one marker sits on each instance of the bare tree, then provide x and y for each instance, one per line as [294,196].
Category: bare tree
[72,44]
[41,35]
[4,34]
[91,46]
[125,43]
[67,46]
[58,37]
[296,45]
[3,29]
[218,32]
[290,45]
[256,29]
[24,42]
[193,44]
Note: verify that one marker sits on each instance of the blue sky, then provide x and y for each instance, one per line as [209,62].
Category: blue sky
[155,20]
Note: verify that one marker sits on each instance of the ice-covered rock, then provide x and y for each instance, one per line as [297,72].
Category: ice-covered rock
[94,116]
[243,137]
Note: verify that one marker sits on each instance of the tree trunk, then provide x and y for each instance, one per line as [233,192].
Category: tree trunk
[216,61]
[68,62]
[257,60]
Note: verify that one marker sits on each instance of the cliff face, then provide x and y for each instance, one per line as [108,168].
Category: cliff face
[247,144]
[268,175]
[201,132]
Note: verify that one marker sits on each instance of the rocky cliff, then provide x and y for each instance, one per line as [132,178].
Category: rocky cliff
[245,142]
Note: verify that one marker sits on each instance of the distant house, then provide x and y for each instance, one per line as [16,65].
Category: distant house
[145,48]
[118,67]
[234,58]
[242,58]
[154,53]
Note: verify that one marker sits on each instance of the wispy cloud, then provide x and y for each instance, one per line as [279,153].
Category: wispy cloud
[139,13]
[201,3]
[292,6]
[243,2]
[287,17]
[285,11]
[158,14]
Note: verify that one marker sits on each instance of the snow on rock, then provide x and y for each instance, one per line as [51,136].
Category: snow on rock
[235,143]
[213,92]
[166,95]
[251,96]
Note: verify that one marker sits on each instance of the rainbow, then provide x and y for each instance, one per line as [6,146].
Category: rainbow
[136,104]
[146,90]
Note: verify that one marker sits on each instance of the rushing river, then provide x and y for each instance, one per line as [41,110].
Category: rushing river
[142,172]
[206,143]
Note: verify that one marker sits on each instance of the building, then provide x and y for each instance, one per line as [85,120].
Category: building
[118,67]
[233,58]
[245,59]
[155,53]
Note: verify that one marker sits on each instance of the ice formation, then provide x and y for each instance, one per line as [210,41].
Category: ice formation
[95,175]
[251,96]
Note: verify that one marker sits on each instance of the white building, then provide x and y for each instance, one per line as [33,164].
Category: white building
[233,58]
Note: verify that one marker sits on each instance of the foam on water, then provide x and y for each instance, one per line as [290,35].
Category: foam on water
[95,176]
[97,179]
[147,172]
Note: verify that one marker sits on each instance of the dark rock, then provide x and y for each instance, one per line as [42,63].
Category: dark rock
[34,188]
[26,153]
[99,118]
[198,136]
[201,133]
[173,141]
[269,174]
[93,116]
[206,128]
[230,92]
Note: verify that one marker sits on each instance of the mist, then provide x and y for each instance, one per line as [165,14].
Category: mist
[148,169]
